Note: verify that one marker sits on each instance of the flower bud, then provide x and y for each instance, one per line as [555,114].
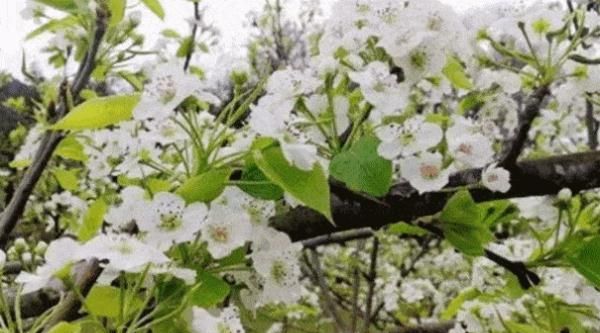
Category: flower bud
[565,195]
[26,258]
[40,248]
[20,244]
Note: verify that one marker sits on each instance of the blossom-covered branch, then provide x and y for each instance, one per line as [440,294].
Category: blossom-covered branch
[546,176]
[10,216]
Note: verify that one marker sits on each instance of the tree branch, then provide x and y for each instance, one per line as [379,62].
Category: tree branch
[338,237]
[16,206]
[547,176]
[531,111]
[591,124]
[188,56]
[68,308]
[371,286]
[330,305]
[443,327]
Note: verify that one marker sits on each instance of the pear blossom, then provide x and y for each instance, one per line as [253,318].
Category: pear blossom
[381,88]
[168,87]
[425,172]
[414,136]
[168,221]
[225,230]
[59,254]
[123,253]
[496,179]
[279,270]
[130,210]
[227,321]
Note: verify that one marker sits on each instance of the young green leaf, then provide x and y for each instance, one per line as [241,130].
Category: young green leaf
[67,179]
[362,169]
[403,228]
[586,260]
[155,7]
[210,291]
[463,224]
[258,185]
[309,187]
[456,74]
[117,11]
[64,5]
[205,187]
[105,301]
[64,327]
[98,113]
[455,304]
[92,221]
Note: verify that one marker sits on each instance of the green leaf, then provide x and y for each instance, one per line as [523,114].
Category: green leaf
[403,228]
[205,187]
[515,327]
[53,25]
[586,261]
[210,291]
[156,185]
[64,327]
[67,179]
[455,305]
[258,185]
[98,113]
[463,224]
[455,73]
[185,47]
[362,169]
[309,187]
[155,7]
[497,211]
[105,301]
[92,221]
[117,11]
[64,5]
[132,79]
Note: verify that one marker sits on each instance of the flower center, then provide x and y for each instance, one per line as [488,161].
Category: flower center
[224,328]
[418,59]
[429,171]
[170,222]
[278,271]
[164,88]
[492,178]
[465,149]
[219,234]
[123,248]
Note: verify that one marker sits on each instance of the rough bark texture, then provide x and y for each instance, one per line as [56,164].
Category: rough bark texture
[352,211]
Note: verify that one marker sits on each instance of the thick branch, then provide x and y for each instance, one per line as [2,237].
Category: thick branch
[69,305]
[36,303]
[528,178]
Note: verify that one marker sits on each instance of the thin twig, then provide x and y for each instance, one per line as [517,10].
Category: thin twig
[592,125]
[371,291]
[526,117]
[330,306]
[338,237]
[188,56]
[356,285]
[524,275]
